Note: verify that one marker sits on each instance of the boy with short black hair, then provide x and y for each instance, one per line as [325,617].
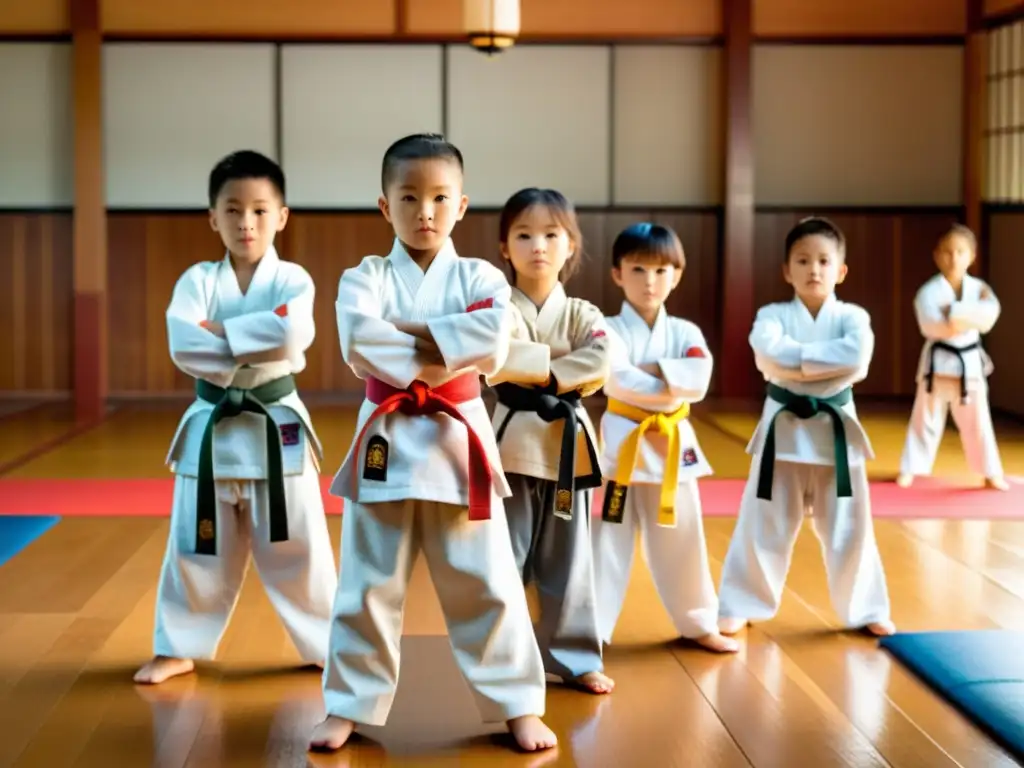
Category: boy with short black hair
[245,455]
[420,326]
[809,449]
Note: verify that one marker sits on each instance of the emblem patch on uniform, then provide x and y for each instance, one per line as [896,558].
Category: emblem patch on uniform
[376,464]
[598,334]
[482,304]
[289,434]
[205,530]
[614,503]
[689,457]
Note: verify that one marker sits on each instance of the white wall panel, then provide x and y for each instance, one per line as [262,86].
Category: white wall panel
[172,110]
[667,125]
[858,125]
[342,106]
[36,126]
[534,116]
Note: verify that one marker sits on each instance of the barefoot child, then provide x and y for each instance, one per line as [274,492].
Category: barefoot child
[419,327]
[245,456]
[651,458]
[558,356]
[809,449]
[953,310]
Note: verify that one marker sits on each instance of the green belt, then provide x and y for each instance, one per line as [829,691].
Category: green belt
[805,407]
[228,403]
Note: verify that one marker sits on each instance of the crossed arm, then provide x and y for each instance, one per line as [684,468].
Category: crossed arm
[215,351]
[396,353]
[778,356]
[945,321]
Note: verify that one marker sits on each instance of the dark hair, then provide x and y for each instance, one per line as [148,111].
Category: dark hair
[649,242]
[244,164]
[418,146]
[963,231]
[561,210]
[815,225]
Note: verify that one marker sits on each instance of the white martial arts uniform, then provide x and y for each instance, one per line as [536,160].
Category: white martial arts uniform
[958,381]
[821,357]
[419,499]
[676,555]
[549,524]
[197,592]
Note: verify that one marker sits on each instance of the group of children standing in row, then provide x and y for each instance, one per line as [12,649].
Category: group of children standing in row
[496,501]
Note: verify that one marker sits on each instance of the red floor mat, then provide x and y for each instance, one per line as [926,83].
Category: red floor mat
[928,498]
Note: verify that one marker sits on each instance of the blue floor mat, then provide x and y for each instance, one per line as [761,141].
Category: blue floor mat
[981,673]
[18,531]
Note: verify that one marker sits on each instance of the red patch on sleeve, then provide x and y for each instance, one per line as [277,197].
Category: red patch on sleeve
[281,311]
[695,352]
[483,304]
[597,334]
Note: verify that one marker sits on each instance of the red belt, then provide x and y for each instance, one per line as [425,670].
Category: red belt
[421,400]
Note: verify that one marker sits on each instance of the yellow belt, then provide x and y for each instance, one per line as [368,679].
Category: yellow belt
[666,424]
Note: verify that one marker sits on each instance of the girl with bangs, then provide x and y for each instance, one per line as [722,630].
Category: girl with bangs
[557,357]
[651,458]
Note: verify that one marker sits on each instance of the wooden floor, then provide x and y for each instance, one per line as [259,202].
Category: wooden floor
[76,611]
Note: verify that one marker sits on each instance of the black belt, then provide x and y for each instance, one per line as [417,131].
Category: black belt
[228,403]
[806,407]
[959,352]
[553,407]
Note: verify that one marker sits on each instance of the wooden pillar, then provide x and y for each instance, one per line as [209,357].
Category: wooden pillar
[975,96]
[736,366]
[90,223]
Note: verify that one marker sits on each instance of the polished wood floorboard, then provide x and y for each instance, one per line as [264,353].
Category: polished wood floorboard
[76,611]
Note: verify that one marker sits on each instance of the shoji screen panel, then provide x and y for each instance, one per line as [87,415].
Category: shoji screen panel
[342,106]
[171,110]
[667,125]
[858,125]
[36,139]
[1004,133]
[536,115]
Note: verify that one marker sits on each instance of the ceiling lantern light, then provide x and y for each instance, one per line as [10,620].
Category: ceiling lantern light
[491,25]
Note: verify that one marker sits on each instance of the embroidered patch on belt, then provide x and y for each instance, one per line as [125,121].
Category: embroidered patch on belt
[289,434]
[375,466]
[689,457]
[614,508]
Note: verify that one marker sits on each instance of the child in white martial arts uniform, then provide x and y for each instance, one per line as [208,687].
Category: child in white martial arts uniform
[650,456]
[245,456]
[953,310]
[420,326]
[558,356]
[809,449]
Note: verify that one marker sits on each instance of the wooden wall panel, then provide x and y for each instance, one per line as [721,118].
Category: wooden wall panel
[581,18]
[255,18]
[1005,271]
[149,251]
[842,18]
[1001,7]
[35,303]
[889,257]
[35,17]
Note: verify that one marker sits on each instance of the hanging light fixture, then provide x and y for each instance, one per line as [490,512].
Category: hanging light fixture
[491,25]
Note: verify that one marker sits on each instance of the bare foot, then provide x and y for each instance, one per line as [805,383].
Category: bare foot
[717,643]
[731,626]
[905,480]
[997,483]
[331,734]
[531,734]
[162,668]
[595,682]
[881,628]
